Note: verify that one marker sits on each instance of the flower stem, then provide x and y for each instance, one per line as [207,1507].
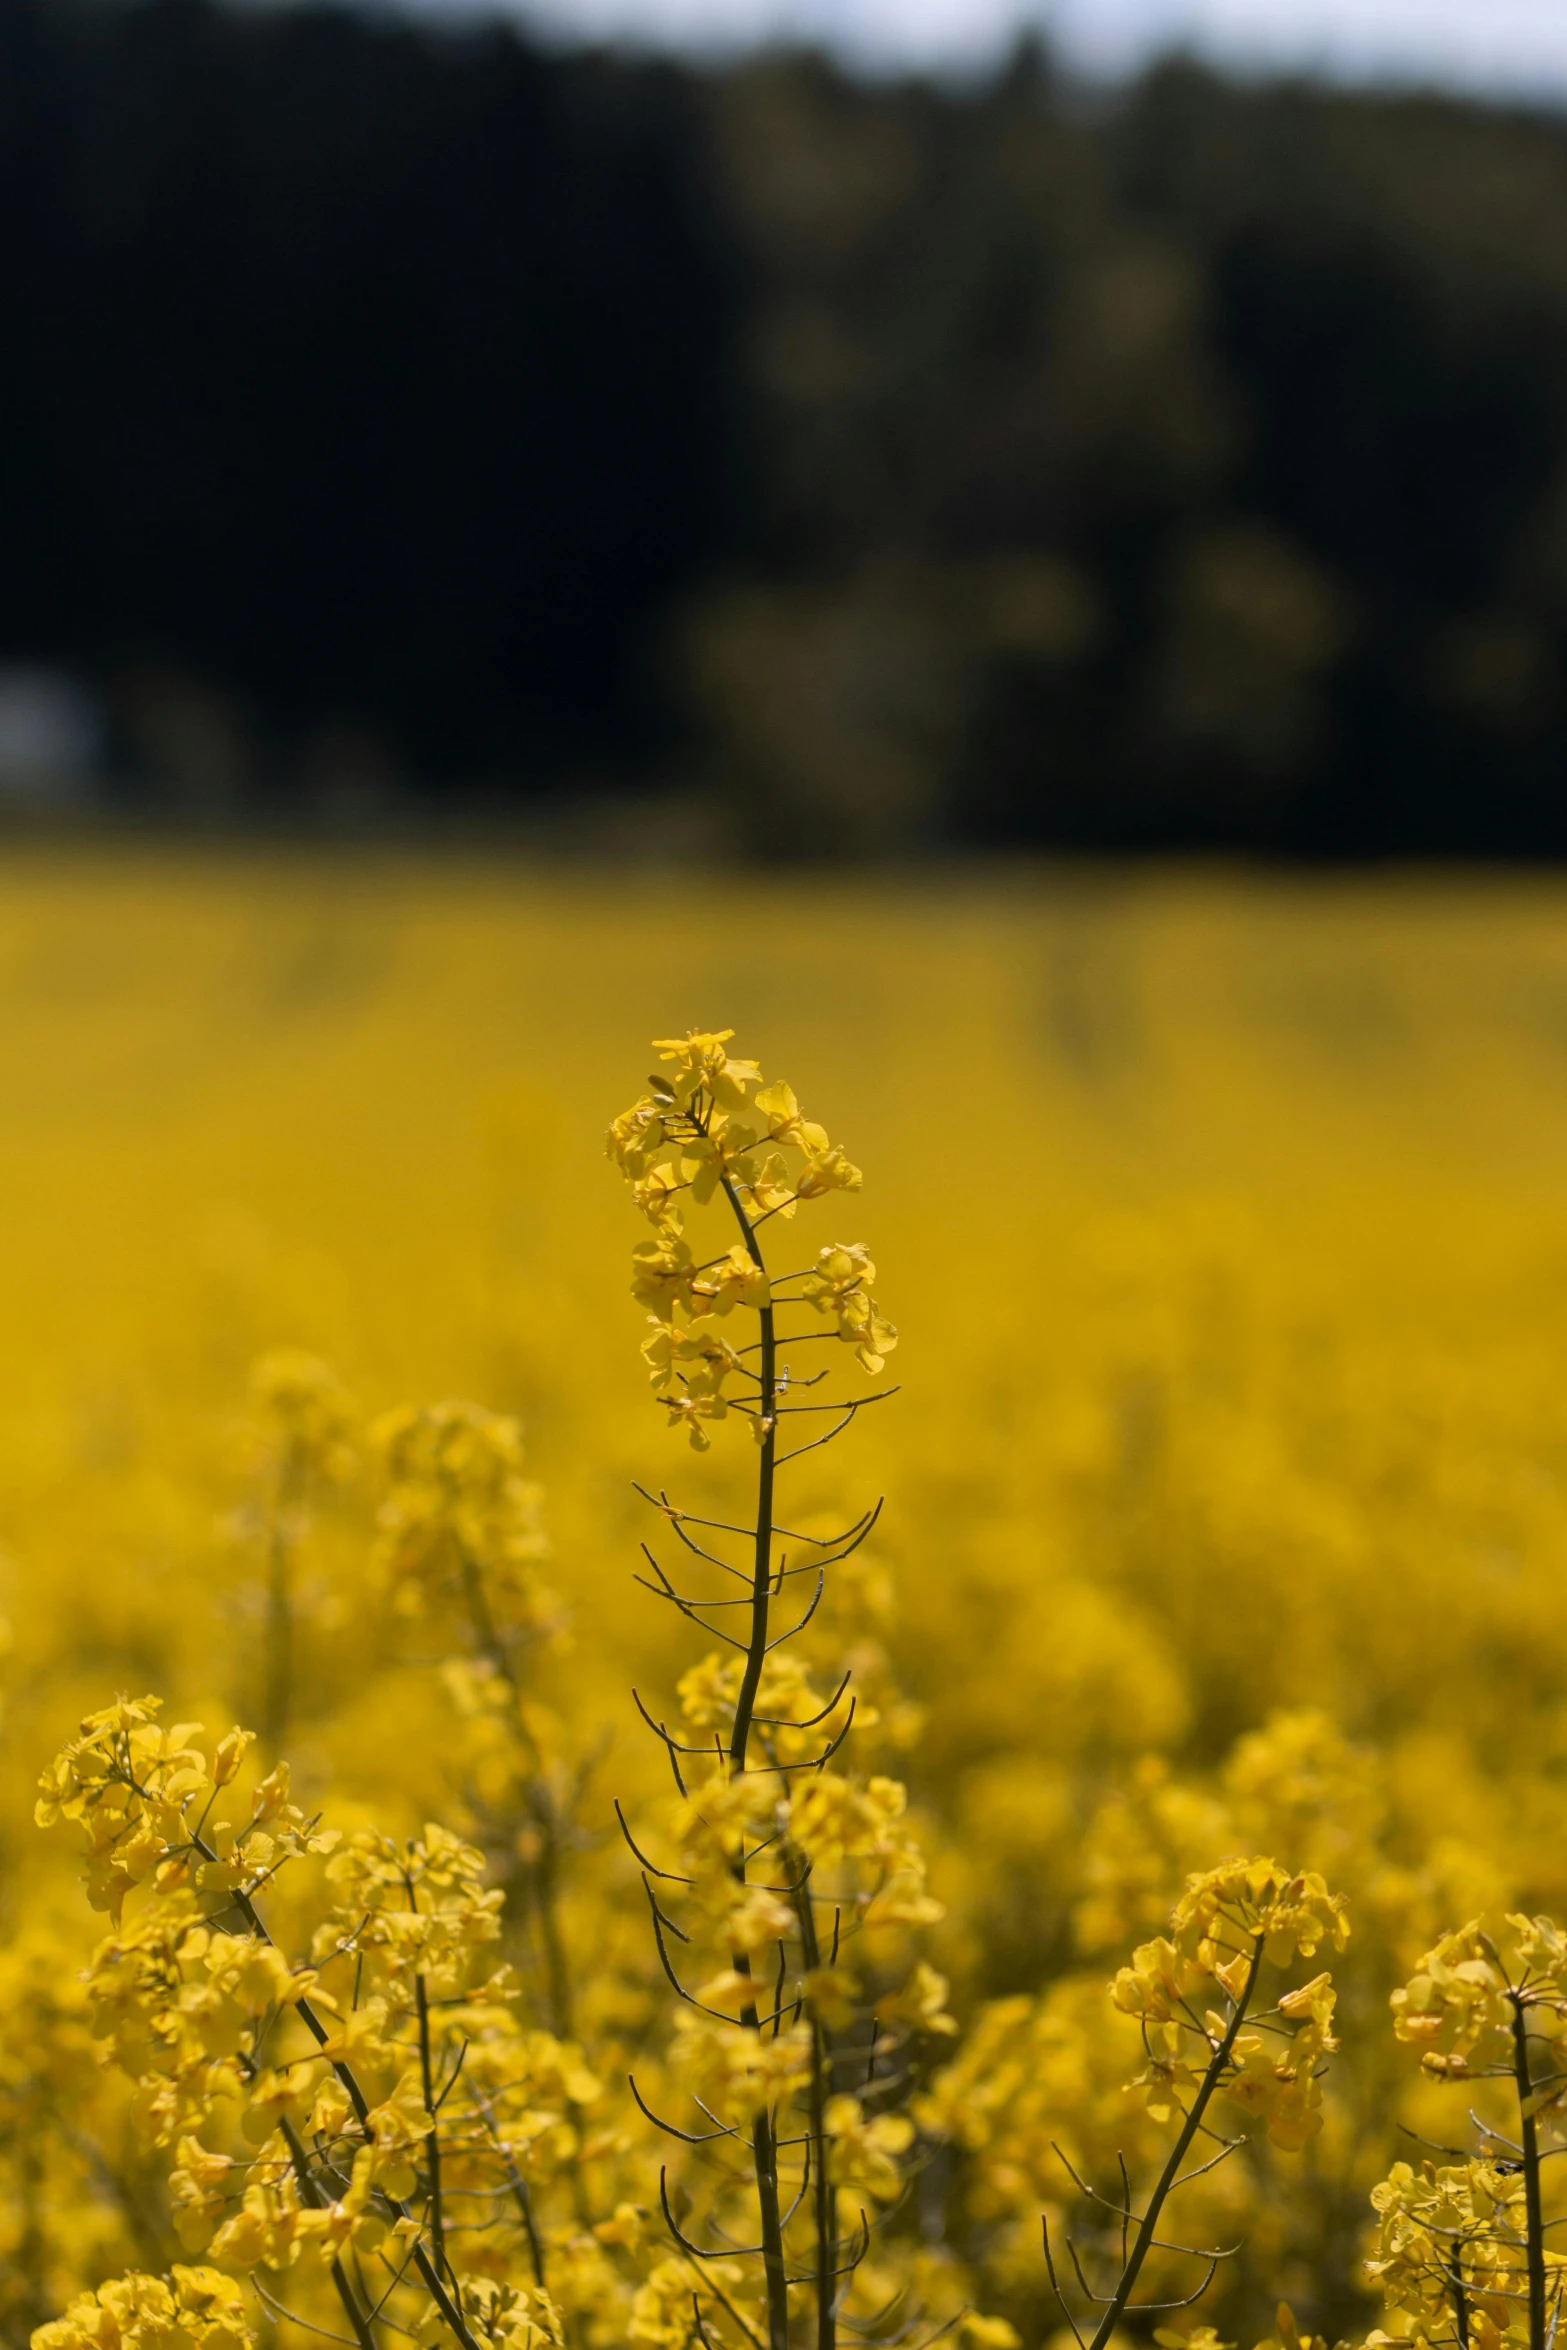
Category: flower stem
[764,2146]
[1148,2225]
[430,2275]
[821,2082]
[1534,2217]
[433,2142]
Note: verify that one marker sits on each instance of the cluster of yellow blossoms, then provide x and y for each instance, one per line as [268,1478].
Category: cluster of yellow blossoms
[1227,1922]
[374,2072]
[389,2066]
[143,1799]
[1464,2248]
[709,1129]
[191,2309]
[379,2102]
[458,1506]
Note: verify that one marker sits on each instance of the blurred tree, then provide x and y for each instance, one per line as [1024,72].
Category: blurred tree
[371,375]
[896,463]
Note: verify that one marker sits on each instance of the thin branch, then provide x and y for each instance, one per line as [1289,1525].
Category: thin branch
[849,1414]
[671,2129]
[712,2286]
[660,1732]
[1211,2079]
[816,1600]
[846,1403]
[641,1857]
[1055,2283]
[724,2252]
[860,1527]
[277,2309]
[779,1722]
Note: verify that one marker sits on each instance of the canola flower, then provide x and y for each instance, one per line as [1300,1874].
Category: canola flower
[345,2071]
[1464,2249]
[549,2217]
[193,2309]
[794,1880]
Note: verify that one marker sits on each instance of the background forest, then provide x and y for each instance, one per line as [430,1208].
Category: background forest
[404,419]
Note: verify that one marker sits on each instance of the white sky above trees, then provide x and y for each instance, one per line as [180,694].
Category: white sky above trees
[1515,47]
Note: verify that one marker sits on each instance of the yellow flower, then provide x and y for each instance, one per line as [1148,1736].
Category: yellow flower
[735,1279]
[457,1504]
[737,2070]
[309,1424]
[198,2192]
[785,1122]
[190,2309]
[839,1286]
[921,2004]
[673,2294]
[1258,1899]
[1455,2007]
[867,2151]
[829,1994]
[697,1134]
[511,2316]
[1157,1983]
[987,2333]
[832,1818]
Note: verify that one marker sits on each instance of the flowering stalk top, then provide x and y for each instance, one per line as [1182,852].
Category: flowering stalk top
[709,1129]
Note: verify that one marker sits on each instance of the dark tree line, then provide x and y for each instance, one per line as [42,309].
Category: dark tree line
[888,465]
[361,379]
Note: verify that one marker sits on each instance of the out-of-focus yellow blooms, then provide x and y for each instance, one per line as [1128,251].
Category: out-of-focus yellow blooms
[1225,1500]
[988,2333]
[458,1506]
[867,2153]
[736,2070]
[190,2309]
[306,1423]
[921,2003]
[676,2293]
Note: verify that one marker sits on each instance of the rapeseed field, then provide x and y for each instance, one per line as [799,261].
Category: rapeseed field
[1213,1234]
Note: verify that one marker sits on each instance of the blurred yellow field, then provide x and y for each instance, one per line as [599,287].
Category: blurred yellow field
[1224,1224]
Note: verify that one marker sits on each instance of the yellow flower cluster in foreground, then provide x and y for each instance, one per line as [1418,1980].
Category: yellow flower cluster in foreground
[1172,1765]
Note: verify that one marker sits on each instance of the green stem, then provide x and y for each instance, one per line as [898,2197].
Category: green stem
[1533,2211]
[762,1557]
[486,1638]
[314,2195]
[764,2145]
[429,2274]
[433,2142]
[1148,2225]
[517,2183]
[1455,2278]
[821,2080]
[764,2156]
